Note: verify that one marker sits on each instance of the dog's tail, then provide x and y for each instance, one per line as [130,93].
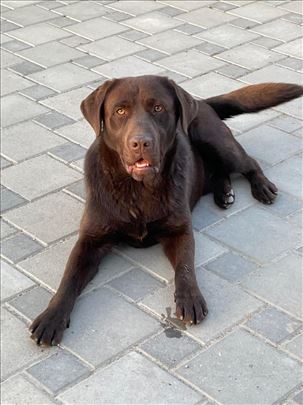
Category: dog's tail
[253,98]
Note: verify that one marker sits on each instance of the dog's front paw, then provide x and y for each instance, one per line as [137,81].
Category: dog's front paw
[48,328]
[191,306]
[264,190]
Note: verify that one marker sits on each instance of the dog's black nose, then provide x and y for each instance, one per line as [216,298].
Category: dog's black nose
[140,142]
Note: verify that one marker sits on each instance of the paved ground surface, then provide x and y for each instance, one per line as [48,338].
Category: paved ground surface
[130,349]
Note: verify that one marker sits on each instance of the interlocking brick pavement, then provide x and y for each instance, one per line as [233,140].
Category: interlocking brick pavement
[131,348]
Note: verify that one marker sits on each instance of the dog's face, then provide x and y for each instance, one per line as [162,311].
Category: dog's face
[138,118]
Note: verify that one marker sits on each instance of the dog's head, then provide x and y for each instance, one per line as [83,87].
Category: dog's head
[138,118]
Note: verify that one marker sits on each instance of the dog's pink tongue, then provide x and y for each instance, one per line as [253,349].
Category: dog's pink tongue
[142,163]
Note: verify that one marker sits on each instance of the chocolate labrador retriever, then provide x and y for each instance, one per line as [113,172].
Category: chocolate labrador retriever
[157,151]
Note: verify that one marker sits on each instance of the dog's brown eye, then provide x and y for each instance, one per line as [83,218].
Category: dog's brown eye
[120,111]
[158,108]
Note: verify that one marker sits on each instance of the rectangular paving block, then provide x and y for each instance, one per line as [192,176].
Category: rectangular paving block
[18,390]
[206,17]
[293,108]
[258,11]
[29,177]
[279,283]
[43,219]
[10,200]
[279,29]
[152,23]
[227,304]
[295,347]
[257,233]
[78,189]
[68,152]
[19,246]
[235,369]
[64,76]
[68,103]
[112,48]
[37,92]
[286,123]
[135,7]
[24,140]
[115,326]
[272,73]
[8,59]
[16,108]
[80,132]
[292,48]
[170,347]
[12,82]
[6,229]
[12,281]
[269,144]
[51,53]
[131,371]
[31,303]
[18,349]
[273,324]
[190,63]
[292,63]
[26,68]
[96,28]
[53,120]
[59,370]
[81,11]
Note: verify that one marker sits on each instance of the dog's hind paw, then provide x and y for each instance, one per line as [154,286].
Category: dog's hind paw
[225,199]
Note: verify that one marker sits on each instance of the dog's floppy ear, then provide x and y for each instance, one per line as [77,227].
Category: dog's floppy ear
[91,106]
[188,106]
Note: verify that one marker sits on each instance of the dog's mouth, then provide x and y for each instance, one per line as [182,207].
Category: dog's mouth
[140,165]
[141,168]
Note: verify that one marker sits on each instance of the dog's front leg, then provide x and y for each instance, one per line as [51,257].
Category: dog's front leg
[49,326]
[191,307]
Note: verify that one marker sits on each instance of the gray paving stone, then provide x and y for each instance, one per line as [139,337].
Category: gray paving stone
[150,55]
[259,12]
[223,6]
[79,165]
[68,152]
[190,63]
[269,144]
[245,122]
[18,247]
[243,23]
[18,390]
[273,324]
[133,35]
[286,292]
[31,303]
[74,41]
[206,17]
[256,233]
[292,63]
[79,132]
[295,346]
[132,370]
[16,108]
[43,219]
[10,200]
[19,349]
[96,28]
[136,7]
[12,281]
[112,48]
[80,11]
[6,229]
[152,23]
[286,123]
[39,33]
[170,41]
[78,189]
[64,76]
[136,284]
[299,398]
[59,370]
[272,73]
[188,5]
[170,347]
[173,75]
[68,103]
[227,304]
[5,162]
[49,5]
[202,219]
[109,327]
[249,56]
[210,84]
[28,15]
[292,48]
[88,61]
[37,92]
[231,267]
[293,108]
[189,29]
[62,22]
[26,68]
[287,176]
[28,178]
[294,6]
[267,43]
[50,54]
[232,71]
[7,26]
[285,205]
[209,49]
[292,17]
[279,29]
[127,66]
[14,45]
[227,36]
[245,370]
[171,11]
[8,59]
[117,16]
[24,140]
